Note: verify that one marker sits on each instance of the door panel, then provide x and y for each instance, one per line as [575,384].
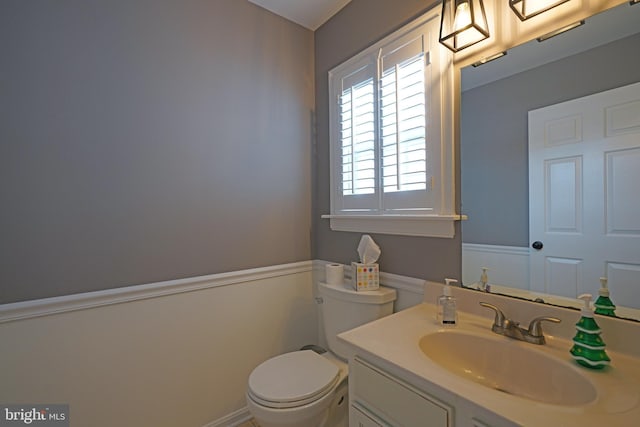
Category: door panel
[622,178]
[563,195]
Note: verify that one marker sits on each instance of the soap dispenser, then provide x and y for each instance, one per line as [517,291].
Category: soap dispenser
[483,283]
[588,347]
[447,313]
[603,304]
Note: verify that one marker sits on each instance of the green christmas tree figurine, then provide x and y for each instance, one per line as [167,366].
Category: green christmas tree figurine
[588,347]
[603,304]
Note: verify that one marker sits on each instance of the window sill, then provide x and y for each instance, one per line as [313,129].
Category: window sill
[403,225]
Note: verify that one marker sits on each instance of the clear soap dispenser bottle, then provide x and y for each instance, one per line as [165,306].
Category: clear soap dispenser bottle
[483,283]
[447,312]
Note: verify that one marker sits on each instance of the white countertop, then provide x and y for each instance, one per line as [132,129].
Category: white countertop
[394,340]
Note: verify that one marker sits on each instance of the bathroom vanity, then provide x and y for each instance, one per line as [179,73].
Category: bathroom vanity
[379,398]
[406,370]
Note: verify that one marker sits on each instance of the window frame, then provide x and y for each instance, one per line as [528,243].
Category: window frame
[439,220]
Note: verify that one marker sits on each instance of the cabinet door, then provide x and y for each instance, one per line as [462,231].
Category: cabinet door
[360,417]
[395,401]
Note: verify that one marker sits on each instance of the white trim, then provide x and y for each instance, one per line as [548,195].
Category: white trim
[234,419]
[405,225]
[405,283]
[498,249]
[48,306]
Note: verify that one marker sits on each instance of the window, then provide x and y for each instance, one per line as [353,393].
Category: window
[391,136]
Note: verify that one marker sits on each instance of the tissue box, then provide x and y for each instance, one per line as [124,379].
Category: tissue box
[365,277]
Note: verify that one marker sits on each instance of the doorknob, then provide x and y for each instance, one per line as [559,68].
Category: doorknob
[537,245]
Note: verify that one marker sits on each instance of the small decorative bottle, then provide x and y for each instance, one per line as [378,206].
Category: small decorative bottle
[603,304]
[588,347]
[484,281]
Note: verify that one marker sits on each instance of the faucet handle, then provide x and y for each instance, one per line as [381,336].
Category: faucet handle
[535,327]
[499,320]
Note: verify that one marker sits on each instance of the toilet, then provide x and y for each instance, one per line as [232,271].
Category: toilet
[308,388]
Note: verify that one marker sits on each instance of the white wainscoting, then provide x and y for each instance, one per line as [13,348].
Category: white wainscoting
[508,265]
[165,354]
[175,353]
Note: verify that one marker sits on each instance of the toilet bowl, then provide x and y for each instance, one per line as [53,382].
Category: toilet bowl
[307,389]
[299,389]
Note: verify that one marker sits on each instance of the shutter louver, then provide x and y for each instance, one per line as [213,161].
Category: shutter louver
[357,117]
[403,126]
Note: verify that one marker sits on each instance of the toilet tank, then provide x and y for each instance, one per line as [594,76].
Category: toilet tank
[343,308]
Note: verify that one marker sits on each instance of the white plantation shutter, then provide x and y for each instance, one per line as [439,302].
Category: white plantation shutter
[386,128]
[404,160]
[357,115]
[406,178]
[355,152]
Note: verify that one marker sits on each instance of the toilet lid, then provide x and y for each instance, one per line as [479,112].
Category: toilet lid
[292,379]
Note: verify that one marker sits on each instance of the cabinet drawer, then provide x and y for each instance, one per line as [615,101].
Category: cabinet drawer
[396,401]
[360,417]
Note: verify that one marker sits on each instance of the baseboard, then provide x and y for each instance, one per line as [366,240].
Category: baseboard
[234,419]
[48,306]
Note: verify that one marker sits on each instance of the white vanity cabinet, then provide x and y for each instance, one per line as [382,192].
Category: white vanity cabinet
[394,382]
[378,398]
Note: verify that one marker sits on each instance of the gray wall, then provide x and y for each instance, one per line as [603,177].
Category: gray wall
[494,153]
[147,140]
[359,24]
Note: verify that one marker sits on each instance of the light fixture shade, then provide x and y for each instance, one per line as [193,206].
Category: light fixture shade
[463,23]
[525,9]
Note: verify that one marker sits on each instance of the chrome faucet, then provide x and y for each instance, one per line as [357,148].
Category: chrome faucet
[509,328]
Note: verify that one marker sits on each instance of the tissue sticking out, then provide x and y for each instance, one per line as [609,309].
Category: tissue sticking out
[365,274]
[368,250]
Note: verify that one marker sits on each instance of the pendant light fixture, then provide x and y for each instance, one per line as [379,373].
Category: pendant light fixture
[526,9]
[463,23]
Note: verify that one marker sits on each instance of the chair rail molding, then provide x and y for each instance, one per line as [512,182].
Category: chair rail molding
[66,303]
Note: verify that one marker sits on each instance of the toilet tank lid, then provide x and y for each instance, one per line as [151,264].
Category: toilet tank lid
[345,292]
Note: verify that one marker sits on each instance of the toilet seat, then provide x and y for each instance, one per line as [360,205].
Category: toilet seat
[292,379]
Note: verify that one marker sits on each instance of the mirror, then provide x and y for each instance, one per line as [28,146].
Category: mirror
[496,97]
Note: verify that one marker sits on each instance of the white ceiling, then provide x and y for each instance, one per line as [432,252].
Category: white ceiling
[308,13]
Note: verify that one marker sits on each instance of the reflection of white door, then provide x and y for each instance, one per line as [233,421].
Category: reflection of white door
[584,195]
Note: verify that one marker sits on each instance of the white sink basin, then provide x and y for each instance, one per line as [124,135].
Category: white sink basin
[509,366]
